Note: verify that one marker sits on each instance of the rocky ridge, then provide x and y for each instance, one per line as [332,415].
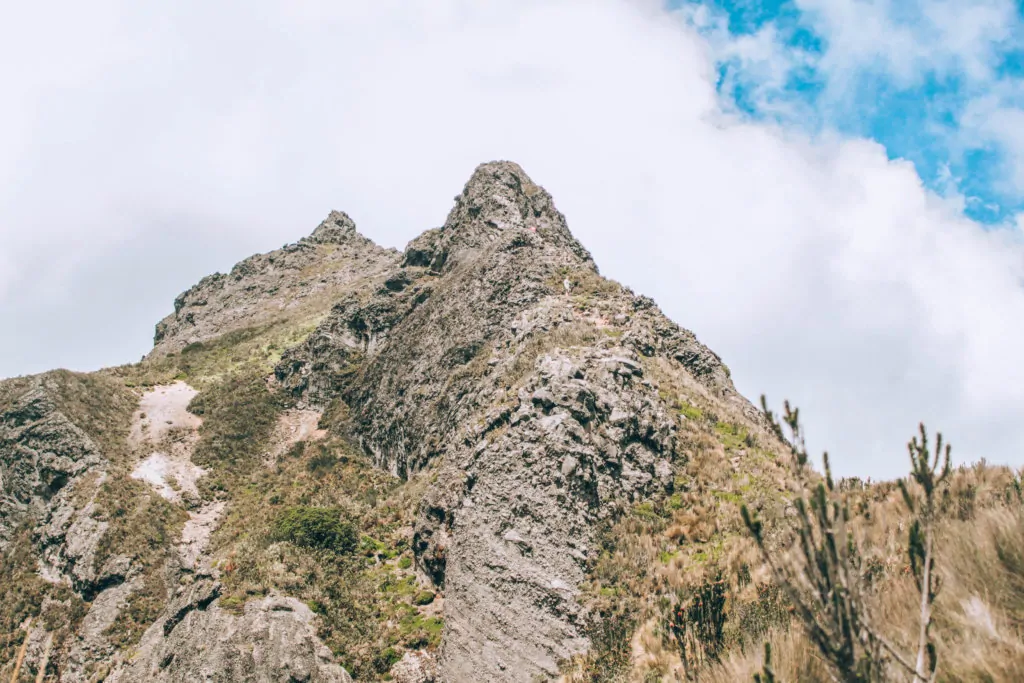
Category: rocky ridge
[503,353]
[294,282]
[51,455]
[489,365]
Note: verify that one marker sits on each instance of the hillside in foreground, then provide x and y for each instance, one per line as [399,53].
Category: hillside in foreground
[473,460]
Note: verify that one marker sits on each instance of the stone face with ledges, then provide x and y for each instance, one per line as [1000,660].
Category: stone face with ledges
[273,639]
[530,404]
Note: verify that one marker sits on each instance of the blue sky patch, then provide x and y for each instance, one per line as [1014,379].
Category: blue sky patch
[916,104]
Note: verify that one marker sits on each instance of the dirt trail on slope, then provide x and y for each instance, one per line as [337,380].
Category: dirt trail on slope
[163,435]
[162,409]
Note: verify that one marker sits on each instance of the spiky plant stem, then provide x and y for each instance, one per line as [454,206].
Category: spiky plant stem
[825,585]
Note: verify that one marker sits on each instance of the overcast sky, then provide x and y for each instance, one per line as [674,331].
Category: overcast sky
[143,146]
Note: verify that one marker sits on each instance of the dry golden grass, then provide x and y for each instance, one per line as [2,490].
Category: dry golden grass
[979,613]
[658,559]
[663,555]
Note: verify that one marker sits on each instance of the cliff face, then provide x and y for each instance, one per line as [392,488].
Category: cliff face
[506,357]
[518,399]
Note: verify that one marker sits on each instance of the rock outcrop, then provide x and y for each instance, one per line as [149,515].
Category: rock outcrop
[490,362]
[498,351]
[50,469]
[273,639]
[41,453]
[298,280]
[51,472]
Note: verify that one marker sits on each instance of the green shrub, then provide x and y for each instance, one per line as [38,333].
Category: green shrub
[691,412]
[311,527]
[424,598]
[232,603]
[732,436]
[697,623]
[386,659]
[768,611]
[296,450]
[323,461]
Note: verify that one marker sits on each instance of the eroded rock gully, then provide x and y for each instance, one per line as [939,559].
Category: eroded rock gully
[163,435]
[273,638]
[52,471]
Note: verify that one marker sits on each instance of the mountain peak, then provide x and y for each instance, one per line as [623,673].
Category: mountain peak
[528,450]
[292,282]
[500,196]
[499,200]
[520,400]
[337,228]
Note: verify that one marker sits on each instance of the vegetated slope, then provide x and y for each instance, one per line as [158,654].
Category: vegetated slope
[475,460]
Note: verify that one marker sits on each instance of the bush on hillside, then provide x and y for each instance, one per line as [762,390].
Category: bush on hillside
[239,415]
[318,528]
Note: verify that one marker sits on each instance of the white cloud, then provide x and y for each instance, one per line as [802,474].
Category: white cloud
[996,121]
[762,63]
[906,39]
[153,146]
[903,43]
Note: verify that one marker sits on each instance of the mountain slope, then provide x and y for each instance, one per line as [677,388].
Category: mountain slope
[295,284]
[399,463]
[536,400]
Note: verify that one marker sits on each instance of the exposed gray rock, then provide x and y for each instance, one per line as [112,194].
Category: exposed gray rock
[41,453]
[69,543]
[273,640]
[298,279]
[511,534]
[316,370]
[50,472]
[44,460]
[415,667]
[92,645]
[534,401]
[499,200]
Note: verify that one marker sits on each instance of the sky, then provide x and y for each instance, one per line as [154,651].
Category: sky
[829,193]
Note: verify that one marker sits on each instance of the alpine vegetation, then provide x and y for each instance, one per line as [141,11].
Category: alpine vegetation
[476,459]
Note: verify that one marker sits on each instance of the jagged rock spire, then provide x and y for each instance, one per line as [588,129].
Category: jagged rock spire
[337,228]
[498,200]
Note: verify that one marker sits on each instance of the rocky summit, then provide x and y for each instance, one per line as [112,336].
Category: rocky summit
[342,462]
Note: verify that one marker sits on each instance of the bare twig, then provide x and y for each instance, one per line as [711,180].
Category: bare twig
[45,662]
[21,652]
